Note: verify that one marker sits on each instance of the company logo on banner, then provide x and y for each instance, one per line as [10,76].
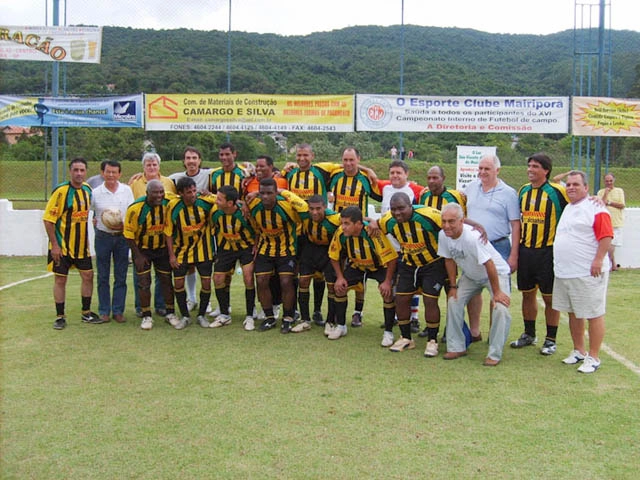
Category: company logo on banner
[243,112]
[51,44]
[391,113]
[608,117]
[71,112]
[468,159]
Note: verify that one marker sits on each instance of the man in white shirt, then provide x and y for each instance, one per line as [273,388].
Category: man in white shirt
[482,267]
[110,243]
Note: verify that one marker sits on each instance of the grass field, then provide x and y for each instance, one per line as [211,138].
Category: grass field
[113,401]
[27,183]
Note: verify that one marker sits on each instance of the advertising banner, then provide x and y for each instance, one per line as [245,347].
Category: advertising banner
[606,117]
[119,112]
[245,112]
[468,159]
[405,113]
[51,44]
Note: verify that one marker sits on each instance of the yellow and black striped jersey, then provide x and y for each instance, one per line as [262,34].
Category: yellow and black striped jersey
[277,227]
[541,209]
[418,237]
[321,233]
[438,201]
[352,191]
[311,182]
[231,230]
[145,224]
[68,209]
[219,177]
[362,252]
[189,227]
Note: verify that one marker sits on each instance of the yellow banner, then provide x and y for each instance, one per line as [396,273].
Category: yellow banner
[606,117]
[245,112]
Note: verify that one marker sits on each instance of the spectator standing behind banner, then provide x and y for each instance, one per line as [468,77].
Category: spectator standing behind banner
[110,243]
[613,198]
[581,268]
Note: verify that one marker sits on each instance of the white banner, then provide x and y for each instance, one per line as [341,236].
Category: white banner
[467,164]
[396,113]
[51,44]
[607,117]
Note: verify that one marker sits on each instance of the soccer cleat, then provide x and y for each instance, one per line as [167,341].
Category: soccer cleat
[183,323]
[202,321]
[258,316]
[317,319]
[387,339]
[356,319]
[573,358]
[276,311]
[337,332]
[209,309]
[287,323]
[403,344]
[172,319]
[267,324]
[589,365]
[524,341]
[296,316]
[216,312]
[328,328]
[221,320]
[301,327]
[60,323]
[92,318]
[249,323]
[161,312]
[423,333]
[147,323]
[191,305]
[415,325]
[432,349]
[548,347]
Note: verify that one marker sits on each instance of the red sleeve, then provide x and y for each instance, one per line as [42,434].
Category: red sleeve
[602,227]
[383,183]
[417,191]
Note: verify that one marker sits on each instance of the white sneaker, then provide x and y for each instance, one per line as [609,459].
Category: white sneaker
[276,311]
[432,349]
[403,344]
[147,323]
[249,323]
[387,339]
[191,305]
[221,320]
[183,323]
[573,358]
[216,312]
[328,328]
[589,365]
[336,333]
[301,327]
[172,319]
[209,309]
[202,321]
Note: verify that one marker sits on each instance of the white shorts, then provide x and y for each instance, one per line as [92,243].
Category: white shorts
[586,297]
[616,241]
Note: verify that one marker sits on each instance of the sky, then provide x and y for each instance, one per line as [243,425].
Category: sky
[301,17]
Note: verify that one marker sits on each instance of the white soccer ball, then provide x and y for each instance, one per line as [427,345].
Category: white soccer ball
[112,218]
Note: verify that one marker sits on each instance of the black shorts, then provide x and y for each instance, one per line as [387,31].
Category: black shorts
[269,265]
[429,279]
[226,259]
[315,258]
[356,277]
[204,269]
[159,258]
[66,262]
[535,269]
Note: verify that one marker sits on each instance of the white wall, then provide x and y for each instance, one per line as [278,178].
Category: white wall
[22,233]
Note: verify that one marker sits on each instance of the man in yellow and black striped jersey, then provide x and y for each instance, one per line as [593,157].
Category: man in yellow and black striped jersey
[541,204]
[144,231]
[228,173]
[66,220]
[276,216]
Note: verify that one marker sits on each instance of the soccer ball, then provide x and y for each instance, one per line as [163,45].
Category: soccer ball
[112,218]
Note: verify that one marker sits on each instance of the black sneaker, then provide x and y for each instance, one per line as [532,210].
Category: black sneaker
[60,323]
[524,341]
[317,319]
[92,318]
[286,326]
[415,326]
[267,324]
[356,320]
[423,333]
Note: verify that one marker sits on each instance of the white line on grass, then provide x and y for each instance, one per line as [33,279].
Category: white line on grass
[14,284]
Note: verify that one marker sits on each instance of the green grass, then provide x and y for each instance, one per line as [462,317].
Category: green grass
[113,401]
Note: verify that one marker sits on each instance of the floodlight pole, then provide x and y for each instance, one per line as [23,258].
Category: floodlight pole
[600,87]
[229,59]
[55,89]
[401,60]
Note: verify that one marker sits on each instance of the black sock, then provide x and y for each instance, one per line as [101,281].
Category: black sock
[318,294]
[303,302]
[86,304]
[530,327]
[250,301]
[60,309]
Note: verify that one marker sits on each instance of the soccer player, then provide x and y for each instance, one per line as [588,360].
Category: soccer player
[318,229]
[189,242]
[228,173]
[436,194]
[420,269]
[66,223]
[144,231]
[235,238]
[275,217]
[541,204]
[356,256]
